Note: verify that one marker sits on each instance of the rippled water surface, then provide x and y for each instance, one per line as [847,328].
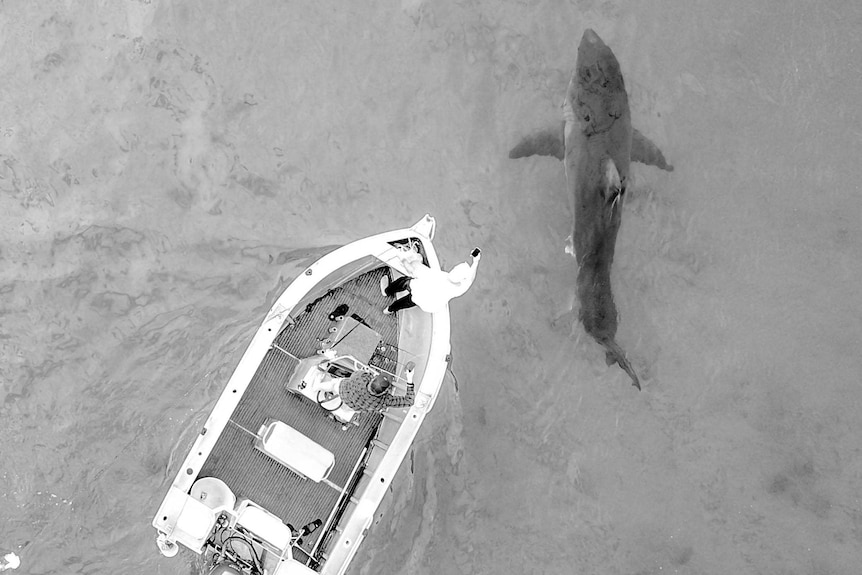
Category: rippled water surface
[167,167]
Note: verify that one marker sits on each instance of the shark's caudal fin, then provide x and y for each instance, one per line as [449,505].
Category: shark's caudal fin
[615,354]
[548,142]
[645,152]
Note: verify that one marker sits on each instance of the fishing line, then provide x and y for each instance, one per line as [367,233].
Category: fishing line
[452,373]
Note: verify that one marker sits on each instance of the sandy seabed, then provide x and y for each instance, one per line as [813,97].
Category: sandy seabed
[167,167]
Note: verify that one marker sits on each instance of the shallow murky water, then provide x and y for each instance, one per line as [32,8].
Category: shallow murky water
[167,167]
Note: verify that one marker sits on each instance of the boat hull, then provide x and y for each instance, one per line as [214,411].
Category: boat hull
[257,425]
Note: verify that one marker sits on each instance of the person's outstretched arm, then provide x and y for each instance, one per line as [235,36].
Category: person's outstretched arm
[406,401]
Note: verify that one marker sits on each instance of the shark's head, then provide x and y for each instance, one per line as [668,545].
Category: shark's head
[601,90]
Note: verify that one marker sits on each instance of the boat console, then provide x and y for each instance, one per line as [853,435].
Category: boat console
[309,375]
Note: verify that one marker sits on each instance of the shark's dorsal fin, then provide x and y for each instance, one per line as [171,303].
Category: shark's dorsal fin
[548,142]
[645,152]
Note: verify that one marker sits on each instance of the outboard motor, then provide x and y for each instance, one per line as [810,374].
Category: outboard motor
[233,564]
[225,561]
[225,568]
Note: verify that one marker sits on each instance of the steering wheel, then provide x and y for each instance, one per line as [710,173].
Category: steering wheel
[320,402]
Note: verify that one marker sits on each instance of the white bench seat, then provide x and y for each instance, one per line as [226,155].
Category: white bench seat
[263,524]
[294,450]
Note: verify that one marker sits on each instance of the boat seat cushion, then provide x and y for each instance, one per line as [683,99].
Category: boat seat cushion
[294,450]
[263,524]
[194,523]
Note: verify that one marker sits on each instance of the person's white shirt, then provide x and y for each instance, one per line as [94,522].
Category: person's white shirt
[432,289]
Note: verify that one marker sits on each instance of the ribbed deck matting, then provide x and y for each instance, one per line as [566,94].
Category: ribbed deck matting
[252,474]
[363,297]
[268,398]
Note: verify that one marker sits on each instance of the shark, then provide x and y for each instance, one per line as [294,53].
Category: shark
[596,144]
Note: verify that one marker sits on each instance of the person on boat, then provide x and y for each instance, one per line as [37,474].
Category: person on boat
[429,289]
[365,391]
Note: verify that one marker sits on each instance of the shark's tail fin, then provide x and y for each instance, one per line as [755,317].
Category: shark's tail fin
[615,354]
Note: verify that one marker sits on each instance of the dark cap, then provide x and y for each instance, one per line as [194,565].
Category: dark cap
[379,385]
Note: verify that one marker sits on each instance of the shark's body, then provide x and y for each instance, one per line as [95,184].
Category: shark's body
[597,144]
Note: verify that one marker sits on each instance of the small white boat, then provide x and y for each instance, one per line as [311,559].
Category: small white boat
[285,478]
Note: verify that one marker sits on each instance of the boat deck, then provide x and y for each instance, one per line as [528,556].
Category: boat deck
[253,475]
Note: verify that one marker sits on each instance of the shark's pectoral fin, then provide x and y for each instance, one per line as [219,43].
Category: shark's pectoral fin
[645,152]
[548,142]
